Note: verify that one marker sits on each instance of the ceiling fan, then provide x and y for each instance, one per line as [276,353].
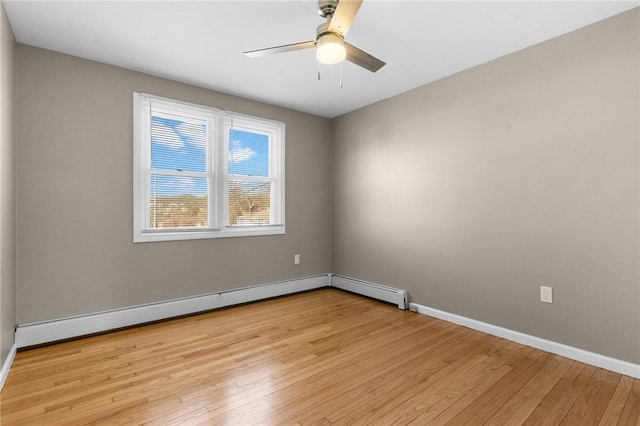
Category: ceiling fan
[329,43]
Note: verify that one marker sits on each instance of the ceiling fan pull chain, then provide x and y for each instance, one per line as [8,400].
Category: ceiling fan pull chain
[341,75]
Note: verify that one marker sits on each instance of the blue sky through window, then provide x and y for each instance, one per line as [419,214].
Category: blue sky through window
[248,153]
[178,145]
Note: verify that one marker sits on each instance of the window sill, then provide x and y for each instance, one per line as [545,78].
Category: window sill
[228,232]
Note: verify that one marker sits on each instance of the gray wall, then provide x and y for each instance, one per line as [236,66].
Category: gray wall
[74,227]
[7,188]
[473,191]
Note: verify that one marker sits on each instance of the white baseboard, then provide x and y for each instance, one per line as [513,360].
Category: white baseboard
[66,328]
[608,363]
[6,366]
[375,291]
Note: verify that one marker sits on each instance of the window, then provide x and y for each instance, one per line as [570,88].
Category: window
[205,173]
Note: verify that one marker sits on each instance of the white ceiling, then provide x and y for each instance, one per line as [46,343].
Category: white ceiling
[201,42]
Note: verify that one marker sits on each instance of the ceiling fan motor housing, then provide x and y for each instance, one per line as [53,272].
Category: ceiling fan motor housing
[324,29]
[327,7]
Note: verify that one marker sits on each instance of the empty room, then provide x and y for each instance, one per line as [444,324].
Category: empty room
[319,212]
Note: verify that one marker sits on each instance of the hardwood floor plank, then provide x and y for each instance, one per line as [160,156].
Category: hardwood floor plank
[468,385]
[322,357]
[383,380]
[383,384]
[485,406]
[426,395]
[491,376]
[422,377]
[612,414]
[557,403]
[593,400]
[630,415]
[520,406]
[334,367]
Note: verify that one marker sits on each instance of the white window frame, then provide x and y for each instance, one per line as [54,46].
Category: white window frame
[220,123]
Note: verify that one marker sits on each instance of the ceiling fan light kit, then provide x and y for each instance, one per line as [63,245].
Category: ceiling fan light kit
[330,49]
[329,44]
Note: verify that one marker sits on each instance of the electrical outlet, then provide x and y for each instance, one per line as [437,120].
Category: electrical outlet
[546,294]
[296,259]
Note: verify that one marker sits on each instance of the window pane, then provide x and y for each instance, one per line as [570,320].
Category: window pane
[249,203]
[178,201]
[178,145]
[248,153]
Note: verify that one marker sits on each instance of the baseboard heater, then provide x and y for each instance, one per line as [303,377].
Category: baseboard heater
[376,291]
[67,328]
[72,327]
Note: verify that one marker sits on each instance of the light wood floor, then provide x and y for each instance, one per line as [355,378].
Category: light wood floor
[321,357]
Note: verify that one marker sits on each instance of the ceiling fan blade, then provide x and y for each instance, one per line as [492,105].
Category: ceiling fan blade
[280,49]
[362,58]
[344,15]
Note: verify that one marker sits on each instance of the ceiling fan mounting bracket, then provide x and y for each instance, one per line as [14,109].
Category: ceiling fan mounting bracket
[327,7]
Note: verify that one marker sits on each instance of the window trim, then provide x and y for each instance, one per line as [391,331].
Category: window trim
[217,169]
